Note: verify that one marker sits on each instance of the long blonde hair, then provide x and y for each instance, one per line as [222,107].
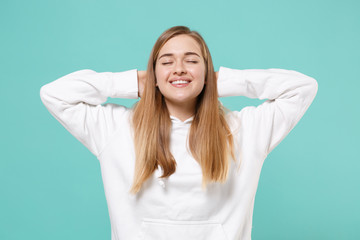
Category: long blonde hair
[210,139]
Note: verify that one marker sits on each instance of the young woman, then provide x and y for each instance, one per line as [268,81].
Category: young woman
[177,165]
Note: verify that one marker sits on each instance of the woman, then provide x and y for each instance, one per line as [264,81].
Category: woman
[176,166]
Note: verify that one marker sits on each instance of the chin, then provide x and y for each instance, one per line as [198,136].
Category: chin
[182,100]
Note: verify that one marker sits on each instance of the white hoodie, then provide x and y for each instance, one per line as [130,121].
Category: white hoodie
[177,208]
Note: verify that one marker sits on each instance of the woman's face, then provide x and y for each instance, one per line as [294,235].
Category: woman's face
[180,70]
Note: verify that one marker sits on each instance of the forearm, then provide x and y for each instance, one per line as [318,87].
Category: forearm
[265,83]
[90,87]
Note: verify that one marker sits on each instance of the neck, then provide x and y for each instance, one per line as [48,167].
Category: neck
[181,111]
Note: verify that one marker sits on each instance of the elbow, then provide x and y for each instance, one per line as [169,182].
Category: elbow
[309,83]
[309,90]
[309,86]
[313,86]
[45,94]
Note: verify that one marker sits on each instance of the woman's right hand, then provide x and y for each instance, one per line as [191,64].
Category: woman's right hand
[141,81]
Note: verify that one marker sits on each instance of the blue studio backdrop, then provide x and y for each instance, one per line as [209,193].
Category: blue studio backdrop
[50,184]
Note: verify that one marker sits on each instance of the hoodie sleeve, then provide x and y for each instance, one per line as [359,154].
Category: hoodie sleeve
[76,99]
[289,94]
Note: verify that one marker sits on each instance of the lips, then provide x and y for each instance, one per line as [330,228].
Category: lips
[180,80]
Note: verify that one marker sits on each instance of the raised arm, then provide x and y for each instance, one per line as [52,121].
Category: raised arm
[75,101]
[289,94]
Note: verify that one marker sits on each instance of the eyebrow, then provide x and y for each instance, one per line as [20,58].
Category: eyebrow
[186,54]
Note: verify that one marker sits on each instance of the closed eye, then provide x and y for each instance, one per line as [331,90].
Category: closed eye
[167,63]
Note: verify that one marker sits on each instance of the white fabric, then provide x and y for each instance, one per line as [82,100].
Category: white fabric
[177,207]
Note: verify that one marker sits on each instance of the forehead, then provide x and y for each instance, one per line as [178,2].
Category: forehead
[179,45]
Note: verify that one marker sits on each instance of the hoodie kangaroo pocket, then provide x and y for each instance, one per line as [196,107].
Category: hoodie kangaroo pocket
[159,229]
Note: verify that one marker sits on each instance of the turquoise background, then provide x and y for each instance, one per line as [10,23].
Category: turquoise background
[50,184]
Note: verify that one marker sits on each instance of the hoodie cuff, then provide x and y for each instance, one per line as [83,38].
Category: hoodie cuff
[125,84]
[230,82]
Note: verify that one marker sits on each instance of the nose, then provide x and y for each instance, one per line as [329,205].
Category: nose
[179,68]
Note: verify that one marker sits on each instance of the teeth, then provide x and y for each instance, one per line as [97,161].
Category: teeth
[179,82]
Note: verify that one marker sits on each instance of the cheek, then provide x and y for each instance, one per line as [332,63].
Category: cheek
[160,74]
[199,73]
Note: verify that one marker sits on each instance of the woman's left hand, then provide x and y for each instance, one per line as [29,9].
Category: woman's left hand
[141,82]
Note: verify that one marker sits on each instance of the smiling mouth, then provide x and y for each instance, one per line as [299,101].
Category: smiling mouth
[180,83]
